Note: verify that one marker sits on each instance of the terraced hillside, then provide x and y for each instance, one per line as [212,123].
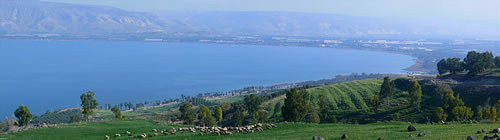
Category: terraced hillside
[348,96]
[349,102]
[63,116]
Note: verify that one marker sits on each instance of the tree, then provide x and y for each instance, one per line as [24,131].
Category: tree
[487,112]
[479,112]
[295,105]
[478,62]
[462,113]
[218,114]
[117,112]
[313,115]
[441,114]
[206,116]
[374,102]
[238,117]
[226,106]
[23,115]
[442,66]
[260,116]
[415,91]
[497,61]
[454,65]
[387,88]
[493,116]
[75,118]
[187,113]
[210,121]
[252,104]
[324,108]
[88,103]
[449,99]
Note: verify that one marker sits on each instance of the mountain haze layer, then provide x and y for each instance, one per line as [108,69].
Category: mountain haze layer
[31,16]
[38,17]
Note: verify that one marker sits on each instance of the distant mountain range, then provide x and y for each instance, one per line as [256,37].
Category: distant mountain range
[38,17]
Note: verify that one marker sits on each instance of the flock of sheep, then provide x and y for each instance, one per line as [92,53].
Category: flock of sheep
[201,130]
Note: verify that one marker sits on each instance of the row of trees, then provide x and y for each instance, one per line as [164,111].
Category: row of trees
[215,115]
[297,107]
[474,63]
[88,104]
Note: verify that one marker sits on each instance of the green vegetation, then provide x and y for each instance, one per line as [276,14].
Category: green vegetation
[374,102]
[88,103]
[23,115]
[415,94]
[474,63]
[289,131]
[206,118]
[325,110]
[75,119]
[478,62]
[201,101]
[117,112]
[462,113]
[387,88]
[252,105]
[218,114]
[62,116]
[187,113]
[452,65]
[295,105]
[497,61]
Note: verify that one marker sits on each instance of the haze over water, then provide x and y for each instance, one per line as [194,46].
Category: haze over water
[52,75]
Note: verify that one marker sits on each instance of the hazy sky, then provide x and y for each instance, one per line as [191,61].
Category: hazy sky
[468,10]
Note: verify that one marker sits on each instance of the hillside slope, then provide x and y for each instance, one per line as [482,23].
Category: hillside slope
[349,102]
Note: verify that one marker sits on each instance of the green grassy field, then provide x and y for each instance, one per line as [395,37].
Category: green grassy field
[289,131]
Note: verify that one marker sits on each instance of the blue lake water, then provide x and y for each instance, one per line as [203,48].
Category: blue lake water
[53,74]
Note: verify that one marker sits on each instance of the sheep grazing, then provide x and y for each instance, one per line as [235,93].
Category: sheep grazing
[165,132]
[117,135]
[268,126]
[149,135]
[107,137]
[172,131]
[155,130]
[259,124]
[128,132]
[259,129]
